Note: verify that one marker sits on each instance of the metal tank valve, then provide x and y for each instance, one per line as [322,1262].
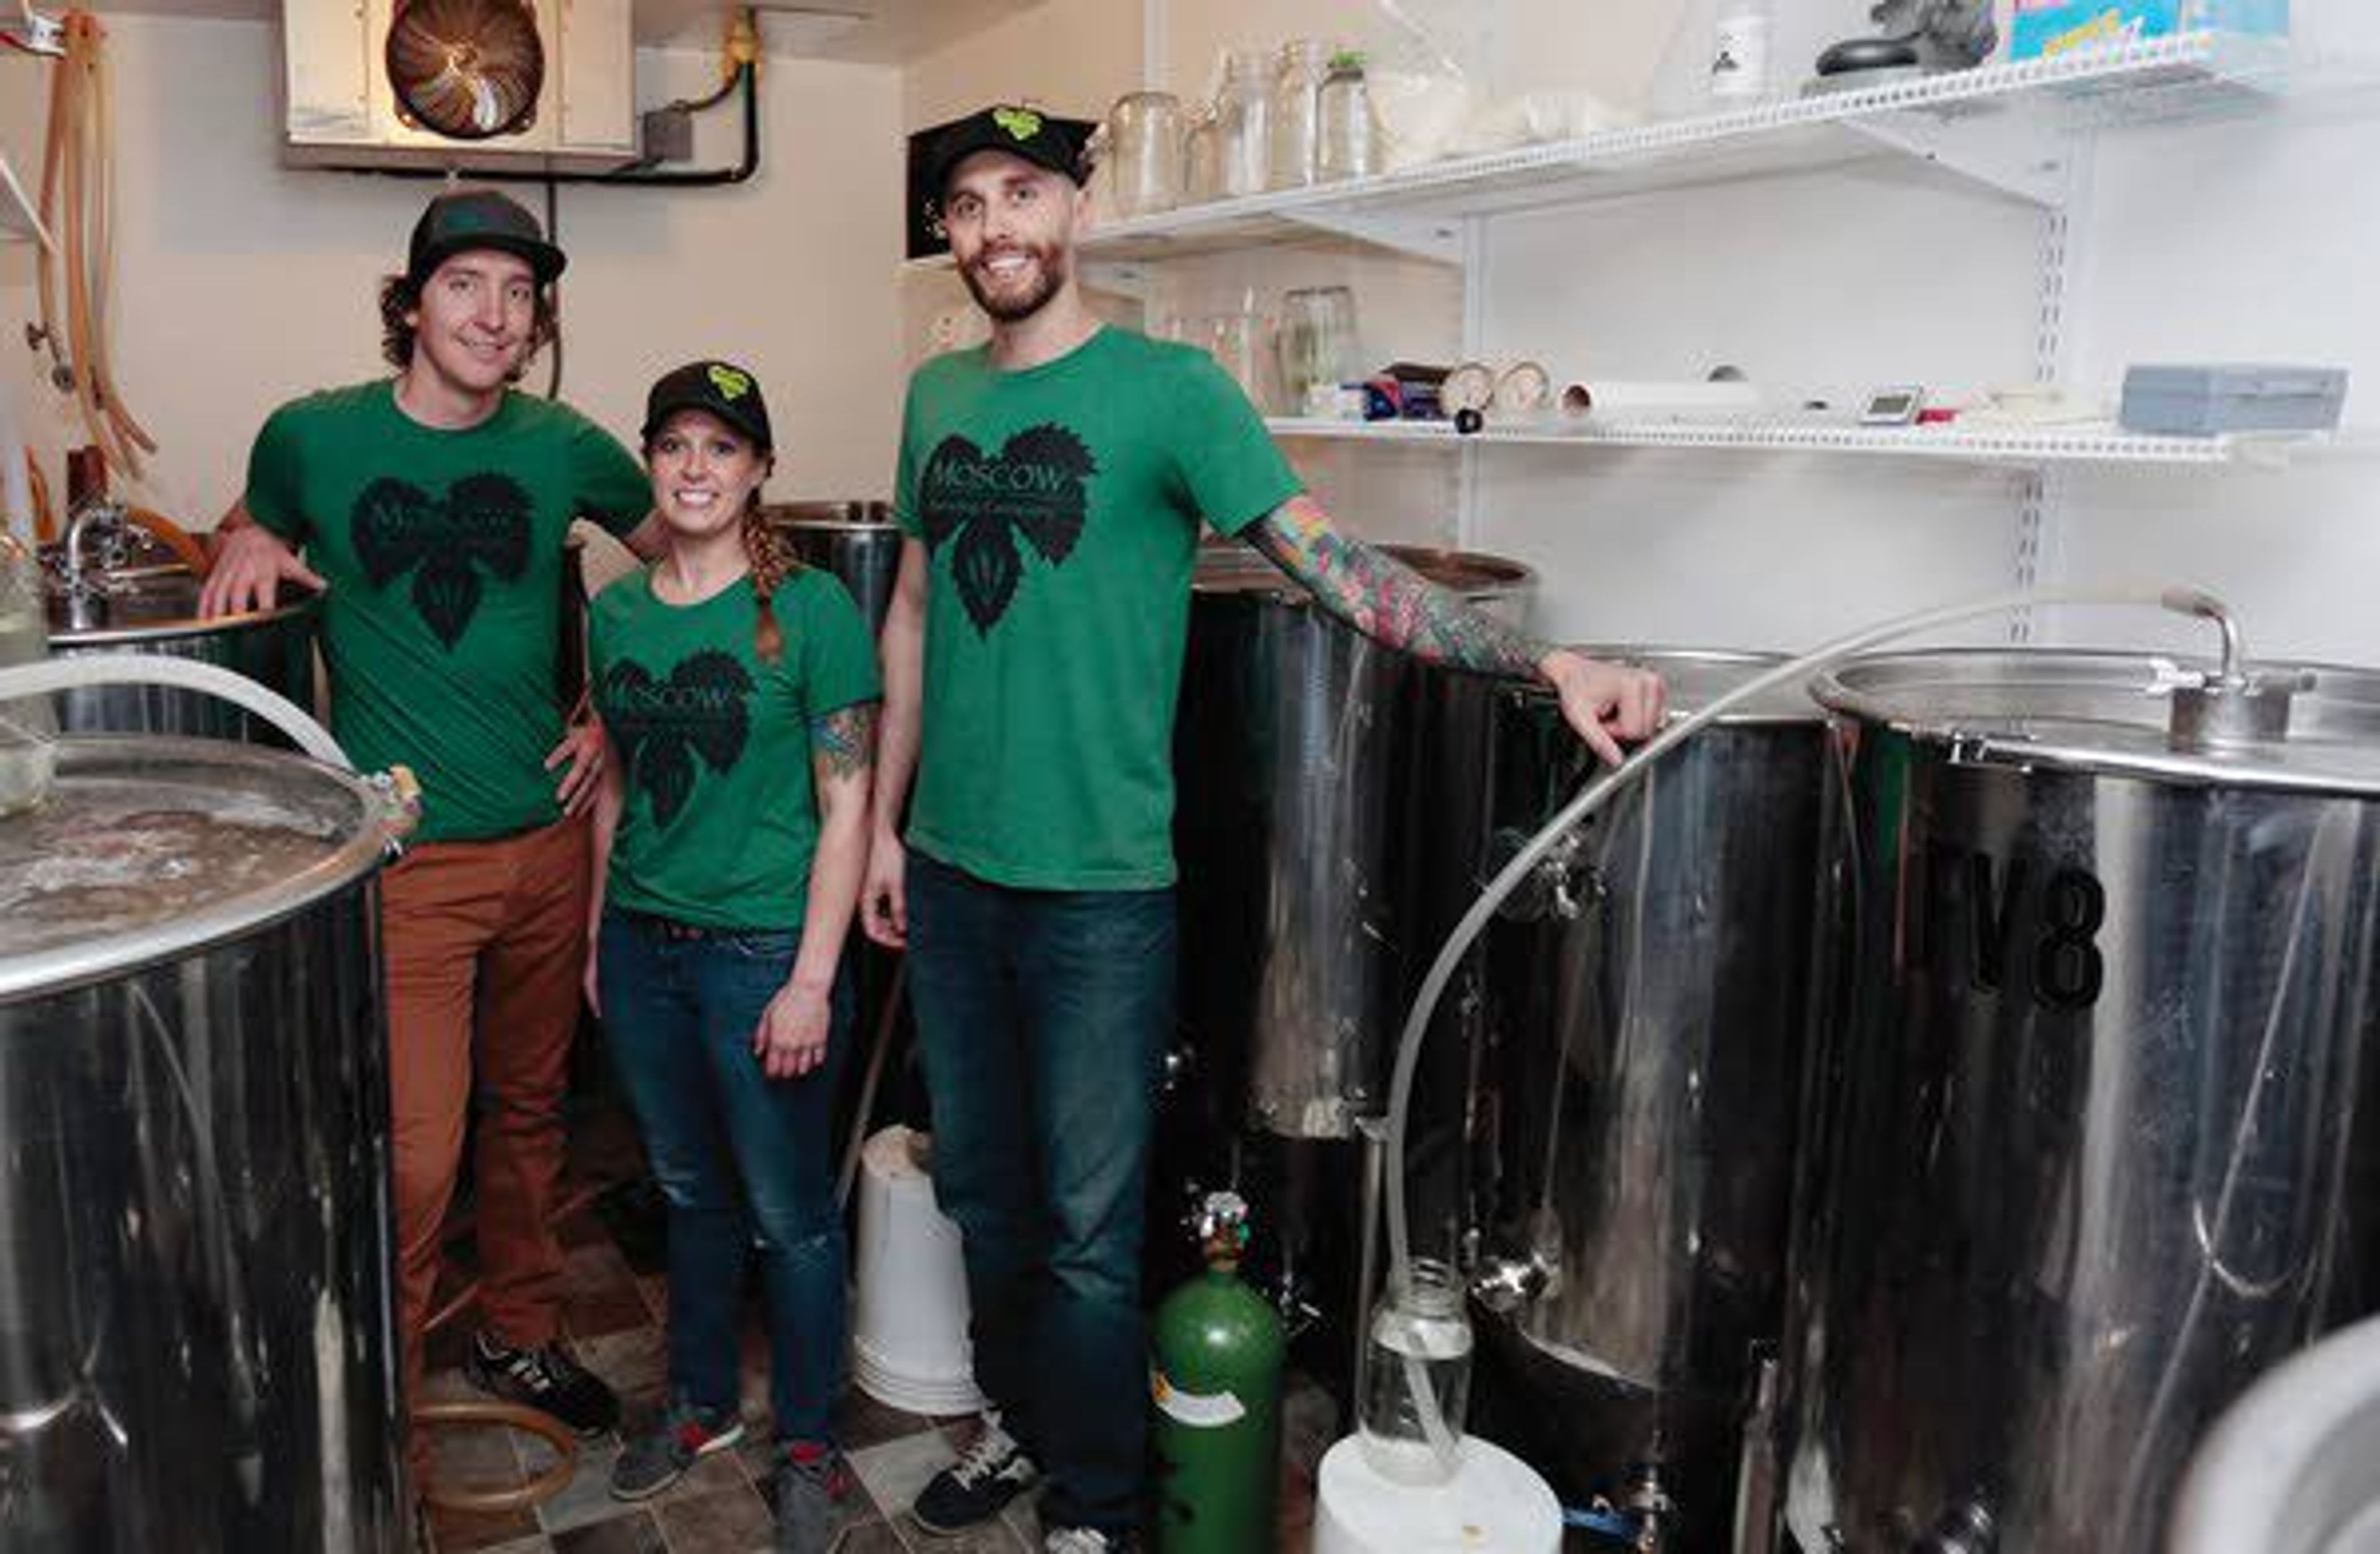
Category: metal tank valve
[2233,705]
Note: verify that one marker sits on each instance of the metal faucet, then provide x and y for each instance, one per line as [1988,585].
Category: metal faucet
[2234,706]
[86,586]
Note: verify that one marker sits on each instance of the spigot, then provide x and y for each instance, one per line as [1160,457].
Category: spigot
[1505,1285]
[2233,705]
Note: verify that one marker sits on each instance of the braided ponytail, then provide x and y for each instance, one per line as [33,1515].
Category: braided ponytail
[773,561]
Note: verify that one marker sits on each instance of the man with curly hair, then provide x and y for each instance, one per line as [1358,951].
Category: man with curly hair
[432,509]
[1052,485]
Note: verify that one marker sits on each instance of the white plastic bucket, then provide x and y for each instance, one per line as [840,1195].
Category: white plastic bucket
[909,1317]
[1493,1505]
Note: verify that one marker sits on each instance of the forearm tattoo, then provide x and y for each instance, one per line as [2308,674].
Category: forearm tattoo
[1384,599]
[847,740]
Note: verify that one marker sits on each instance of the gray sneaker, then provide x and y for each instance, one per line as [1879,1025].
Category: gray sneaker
[686,1434]
[813,1498]
[1083,1540]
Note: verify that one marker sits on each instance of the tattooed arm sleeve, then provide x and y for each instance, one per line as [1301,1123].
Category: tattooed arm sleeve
[1386,600]
[842,744]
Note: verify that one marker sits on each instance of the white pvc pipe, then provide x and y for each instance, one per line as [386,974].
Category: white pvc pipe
[1594,797]
[75,671]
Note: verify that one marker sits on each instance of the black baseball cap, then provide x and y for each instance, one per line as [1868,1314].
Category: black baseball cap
[1019,131]
[717,388]
[464,219]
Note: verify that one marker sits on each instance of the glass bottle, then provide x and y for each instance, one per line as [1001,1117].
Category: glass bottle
[1202,155]
[28,727]
[1416,1374]
[1244,113]
[1295,129]
[1346,148]
[1738,57]
[1145,153]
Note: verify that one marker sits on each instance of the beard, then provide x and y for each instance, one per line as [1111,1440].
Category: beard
[1050,270]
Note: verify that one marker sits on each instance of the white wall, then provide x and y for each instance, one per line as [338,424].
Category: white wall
[239,283]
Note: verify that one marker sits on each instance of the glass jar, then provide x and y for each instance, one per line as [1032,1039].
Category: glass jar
[28,727]
[1202,155]
[1316,343]
[1416,1378]
[1144,154]
[1244,113]
[1346,140]
[1242,343]
[1296,129]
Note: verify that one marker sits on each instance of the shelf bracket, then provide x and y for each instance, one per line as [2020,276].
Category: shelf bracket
[1435,239]
[2013,154]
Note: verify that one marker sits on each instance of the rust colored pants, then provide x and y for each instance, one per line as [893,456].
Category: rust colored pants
[486,942]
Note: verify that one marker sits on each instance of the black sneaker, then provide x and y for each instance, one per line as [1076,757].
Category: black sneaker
[993,1472]
[547,1380]
[686,1434]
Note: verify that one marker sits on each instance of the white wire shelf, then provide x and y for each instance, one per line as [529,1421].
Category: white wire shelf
[2002,124]
[1993,445]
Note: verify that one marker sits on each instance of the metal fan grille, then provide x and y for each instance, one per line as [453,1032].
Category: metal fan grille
[466,69]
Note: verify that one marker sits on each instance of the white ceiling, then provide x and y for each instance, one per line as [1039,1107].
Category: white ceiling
[869,31]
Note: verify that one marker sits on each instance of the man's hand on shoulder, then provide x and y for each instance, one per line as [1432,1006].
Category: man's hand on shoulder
[250,564]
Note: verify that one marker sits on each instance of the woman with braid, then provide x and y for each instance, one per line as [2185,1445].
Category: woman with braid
[738,693]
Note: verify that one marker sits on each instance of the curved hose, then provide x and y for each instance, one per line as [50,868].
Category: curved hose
[1591,798]
[508,1416]
[77,671]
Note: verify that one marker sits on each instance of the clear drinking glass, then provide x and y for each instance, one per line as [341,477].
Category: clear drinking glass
[1348,143]
[1295,129]
[1316,343]
[1420,1347]
[1244,112]
[1145,153]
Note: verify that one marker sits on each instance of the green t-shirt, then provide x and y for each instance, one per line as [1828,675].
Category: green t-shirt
[1061,506]
[444,552]
[721,818]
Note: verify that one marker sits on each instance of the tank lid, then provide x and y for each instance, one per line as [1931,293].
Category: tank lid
[2129,713]
[1232,567]
[830,515]
[148,848]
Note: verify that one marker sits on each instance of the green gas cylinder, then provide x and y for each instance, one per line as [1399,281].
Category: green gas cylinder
[1216,1383]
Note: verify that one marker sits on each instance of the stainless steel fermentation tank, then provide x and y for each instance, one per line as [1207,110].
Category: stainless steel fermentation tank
[154,608]
[1298,770]
[1299,760]
[2092,1131]
[857,542]
[197,1345]
[1604,1128]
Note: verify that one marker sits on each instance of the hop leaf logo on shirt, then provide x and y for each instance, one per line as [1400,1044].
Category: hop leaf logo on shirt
[975,505]
[482,524]
[663,725]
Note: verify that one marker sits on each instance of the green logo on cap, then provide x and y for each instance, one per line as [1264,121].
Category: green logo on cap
[731,383]
[1022,124]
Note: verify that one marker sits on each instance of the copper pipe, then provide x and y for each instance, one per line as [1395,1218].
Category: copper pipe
[504,1415]
[53,158]
[45,517]
[103,206]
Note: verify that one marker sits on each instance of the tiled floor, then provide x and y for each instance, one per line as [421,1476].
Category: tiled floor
[614,1299]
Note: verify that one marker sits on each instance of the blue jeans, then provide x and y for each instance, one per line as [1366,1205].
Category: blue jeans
[1042,1017]
[742,1159]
